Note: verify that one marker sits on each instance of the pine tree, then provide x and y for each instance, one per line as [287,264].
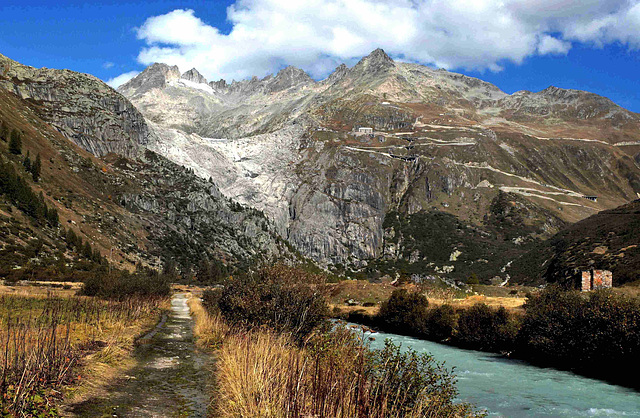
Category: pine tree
[15,143]
[52,217]
[36,168]
[4,131]
[72,238]
[87,251]
[27,162]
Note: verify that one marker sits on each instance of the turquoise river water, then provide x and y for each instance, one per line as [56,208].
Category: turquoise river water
[512,388]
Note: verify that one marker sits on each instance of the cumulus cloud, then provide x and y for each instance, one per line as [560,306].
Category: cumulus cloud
[550,45]
[318,35]
[116,82]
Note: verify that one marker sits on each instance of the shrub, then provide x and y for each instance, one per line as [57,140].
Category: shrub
[441,322]
[283,298]
[121,285]
[405,312]
[599,331]
[484,328]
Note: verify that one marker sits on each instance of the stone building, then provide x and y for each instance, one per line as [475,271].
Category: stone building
[596,279]
[365,130]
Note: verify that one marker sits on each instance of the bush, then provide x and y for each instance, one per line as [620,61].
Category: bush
[286,299]
[599,331]
[120,285]
[441,323]
[405,312]
[483,328]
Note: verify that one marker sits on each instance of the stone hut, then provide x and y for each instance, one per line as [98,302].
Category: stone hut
[596,279]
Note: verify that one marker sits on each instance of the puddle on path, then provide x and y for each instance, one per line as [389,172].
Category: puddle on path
[170,379]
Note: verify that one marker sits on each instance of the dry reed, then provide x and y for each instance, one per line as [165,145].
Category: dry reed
[43,339]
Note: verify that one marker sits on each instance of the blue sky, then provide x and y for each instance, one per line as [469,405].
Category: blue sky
[586,44]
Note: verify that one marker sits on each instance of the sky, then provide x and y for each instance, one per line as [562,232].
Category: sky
[589,45]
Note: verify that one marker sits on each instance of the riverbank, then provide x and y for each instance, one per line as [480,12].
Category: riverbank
[514,388]
[595,335]
[276,352]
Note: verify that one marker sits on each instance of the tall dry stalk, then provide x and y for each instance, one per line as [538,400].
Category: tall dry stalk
[42,339]
[263,374]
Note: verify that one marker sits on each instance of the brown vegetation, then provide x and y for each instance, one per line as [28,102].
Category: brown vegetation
[45,340]
[265,369]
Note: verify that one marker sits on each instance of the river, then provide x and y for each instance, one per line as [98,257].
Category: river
[512,388]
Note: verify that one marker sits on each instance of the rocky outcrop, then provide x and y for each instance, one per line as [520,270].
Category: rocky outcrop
[194,76]
[80,106]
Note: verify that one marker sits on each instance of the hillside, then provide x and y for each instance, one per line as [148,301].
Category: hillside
[607,240]
[288,145]
[130,205]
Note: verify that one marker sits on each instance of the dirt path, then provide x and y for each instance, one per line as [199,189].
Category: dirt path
[170,379]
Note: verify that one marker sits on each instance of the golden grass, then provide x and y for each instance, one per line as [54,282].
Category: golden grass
[260,373]
[210,330]
[250,377]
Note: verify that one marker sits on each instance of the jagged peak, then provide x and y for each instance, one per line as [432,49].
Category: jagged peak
[155,75]
[377,56]
[195,76]
[337,74]
[376,61]
[220,84]
[293,71]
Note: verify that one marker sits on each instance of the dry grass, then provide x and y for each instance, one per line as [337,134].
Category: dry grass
[264,374]
[364,291]
[210,330]
[44,340]
[510,303]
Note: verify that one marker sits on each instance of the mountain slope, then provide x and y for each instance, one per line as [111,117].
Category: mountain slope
[442,141]
[143,210]
[608,240]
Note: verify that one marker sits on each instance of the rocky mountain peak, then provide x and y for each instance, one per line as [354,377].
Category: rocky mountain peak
[337,74]
[157,75]
[287,78]
[373,65]
[376,59]
[219,85]
[195,76]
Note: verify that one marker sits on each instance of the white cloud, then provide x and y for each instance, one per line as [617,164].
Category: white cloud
[318,35]
[116,82]
[107,65]
[550,45]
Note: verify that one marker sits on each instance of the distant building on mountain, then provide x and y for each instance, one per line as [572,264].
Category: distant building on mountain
[596,279]
[365,130]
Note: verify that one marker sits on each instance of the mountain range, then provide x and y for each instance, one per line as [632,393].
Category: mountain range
[456,178]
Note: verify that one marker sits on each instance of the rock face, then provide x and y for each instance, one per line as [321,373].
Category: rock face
[83,108]
[288,146]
